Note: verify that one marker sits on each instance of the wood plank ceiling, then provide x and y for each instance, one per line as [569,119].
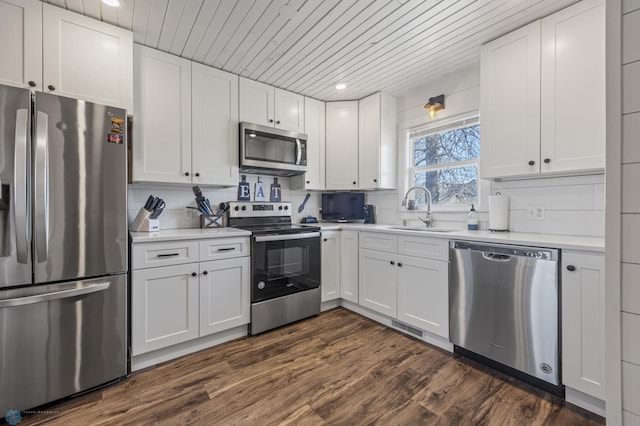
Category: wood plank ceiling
[307,46]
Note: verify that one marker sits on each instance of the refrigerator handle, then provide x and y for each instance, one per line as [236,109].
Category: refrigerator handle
[20,178]
[54,295]
[41,180]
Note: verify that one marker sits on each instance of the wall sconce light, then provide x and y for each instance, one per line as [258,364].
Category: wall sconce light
[435,104]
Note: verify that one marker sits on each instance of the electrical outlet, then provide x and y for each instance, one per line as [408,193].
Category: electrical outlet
[535,212]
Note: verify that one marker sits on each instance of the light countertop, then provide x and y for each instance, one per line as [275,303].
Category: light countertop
[186,234]
[566,242]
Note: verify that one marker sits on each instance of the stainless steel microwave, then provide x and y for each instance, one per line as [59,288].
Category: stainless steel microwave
[266,150]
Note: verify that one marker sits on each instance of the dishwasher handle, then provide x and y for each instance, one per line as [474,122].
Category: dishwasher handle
[495,257]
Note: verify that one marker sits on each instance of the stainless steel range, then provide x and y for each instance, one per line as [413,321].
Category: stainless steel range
[285,264]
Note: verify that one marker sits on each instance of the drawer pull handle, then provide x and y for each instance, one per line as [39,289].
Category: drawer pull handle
[227,249]
[168,255]
[571,268]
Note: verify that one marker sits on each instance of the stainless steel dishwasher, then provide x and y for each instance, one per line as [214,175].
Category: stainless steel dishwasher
[503,309]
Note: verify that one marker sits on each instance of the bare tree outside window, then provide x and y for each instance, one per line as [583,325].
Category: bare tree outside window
[445,161]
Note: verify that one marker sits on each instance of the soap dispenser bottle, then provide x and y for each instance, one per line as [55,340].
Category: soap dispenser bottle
[472,220]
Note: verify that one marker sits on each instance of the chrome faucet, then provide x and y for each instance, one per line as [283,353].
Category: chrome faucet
[428,220]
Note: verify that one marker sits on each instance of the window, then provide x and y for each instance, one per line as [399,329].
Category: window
[444,159]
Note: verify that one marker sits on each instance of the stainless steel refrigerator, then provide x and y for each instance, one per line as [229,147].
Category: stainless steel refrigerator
[63,247]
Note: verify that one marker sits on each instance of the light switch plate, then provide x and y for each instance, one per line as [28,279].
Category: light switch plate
[535,212]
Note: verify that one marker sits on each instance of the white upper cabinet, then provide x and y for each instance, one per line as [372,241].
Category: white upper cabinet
[342,145]
[314,125]
[54,50]
[86,59]
[510,104]
[538,86]
[21,53]
[377,142]
[573,77]
[215,126]
[269,106]
[162,130]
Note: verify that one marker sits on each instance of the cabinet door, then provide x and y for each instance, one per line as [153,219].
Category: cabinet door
[162,132]
[342,145]
[215,126]
[349,265]
[423,294]
[510,104]
[256,102]
[377,289]
[314,125]
[164,307]
[289,110]
[573,77]
[86,59]
[330,265]
[369,142]
[21,52]
[583,323]
[224,294]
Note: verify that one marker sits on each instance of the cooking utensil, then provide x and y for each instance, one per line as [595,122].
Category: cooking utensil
[304,202]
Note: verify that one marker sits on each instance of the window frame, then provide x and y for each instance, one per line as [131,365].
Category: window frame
[459,121]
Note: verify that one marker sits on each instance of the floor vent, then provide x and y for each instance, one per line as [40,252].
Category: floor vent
[407,328]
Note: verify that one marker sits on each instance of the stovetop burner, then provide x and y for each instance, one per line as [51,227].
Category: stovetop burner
[265,218]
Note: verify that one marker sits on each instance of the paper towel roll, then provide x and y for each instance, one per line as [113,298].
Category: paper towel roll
[498,212]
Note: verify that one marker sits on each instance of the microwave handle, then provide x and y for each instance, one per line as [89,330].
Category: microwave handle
[298,152]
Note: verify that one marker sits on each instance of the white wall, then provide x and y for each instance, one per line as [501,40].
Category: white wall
[574,205]
[176,215]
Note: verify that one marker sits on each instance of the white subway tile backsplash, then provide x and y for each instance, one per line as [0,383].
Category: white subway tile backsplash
[630,240]
[631,85]
[631,387]
[631,138]
[565,222]
[631,288]
[630,5]
[574,197]
[630,37]
[631,338]
[630,194]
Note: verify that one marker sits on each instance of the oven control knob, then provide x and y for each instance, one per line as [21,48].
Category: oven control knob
[279,207]
[236,208]
[286,207]
[261,285]
[244,208]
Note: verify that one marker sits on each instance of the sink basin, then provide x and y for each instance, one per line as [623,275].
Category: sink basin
[422,229]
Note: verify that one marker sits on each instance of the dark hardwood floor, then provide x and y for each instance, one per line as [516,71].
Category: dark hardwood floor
[338,368]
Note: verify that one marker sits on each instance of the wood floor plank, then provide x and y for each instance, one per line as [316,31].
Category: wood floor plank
[336,368]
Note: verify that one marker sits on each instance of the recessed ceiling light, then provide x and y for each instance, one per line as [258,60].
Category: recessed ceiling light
[341,86]
[112,3]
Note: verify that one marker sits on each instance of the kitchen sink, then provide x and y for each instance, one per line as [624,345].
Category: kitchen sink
[422,229]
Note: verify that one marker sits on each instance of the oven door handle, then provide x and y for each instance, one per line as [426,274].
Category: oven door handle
[263,238]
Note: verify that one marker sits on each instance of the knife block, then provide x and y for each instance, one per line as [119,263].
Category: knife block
[143,223]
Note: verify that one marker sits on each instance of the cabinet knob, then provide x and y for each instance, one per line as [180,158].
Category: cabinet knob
[547,160]
[375,180]
[571,268]
[271,120]
[400,264]
[51,87]
[392,262]
[308,182]
[354,182]
[205,273]
[32,83]
[186,174]
[324,239]
[193,274]
[531,163]
[197,174]
[278,122]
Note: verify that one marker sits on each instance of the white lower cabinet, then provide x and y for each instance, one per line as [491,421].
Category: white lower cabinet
[583,322]
[164,307]
[378,289]
[349,265]
[330,271]
[175,303]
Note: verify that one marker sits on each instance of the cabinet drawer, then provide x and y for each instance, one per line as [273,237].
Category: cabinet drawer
[379,241]
[223,248]
[150,255]
[428,248]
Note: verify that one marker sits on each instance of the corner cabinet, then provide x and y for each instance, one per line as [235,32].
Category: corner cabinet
[314,127]
[537,89]
[186,127]
[57,51]
[263,104]
[330,271]
[583,322]
[342,145]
